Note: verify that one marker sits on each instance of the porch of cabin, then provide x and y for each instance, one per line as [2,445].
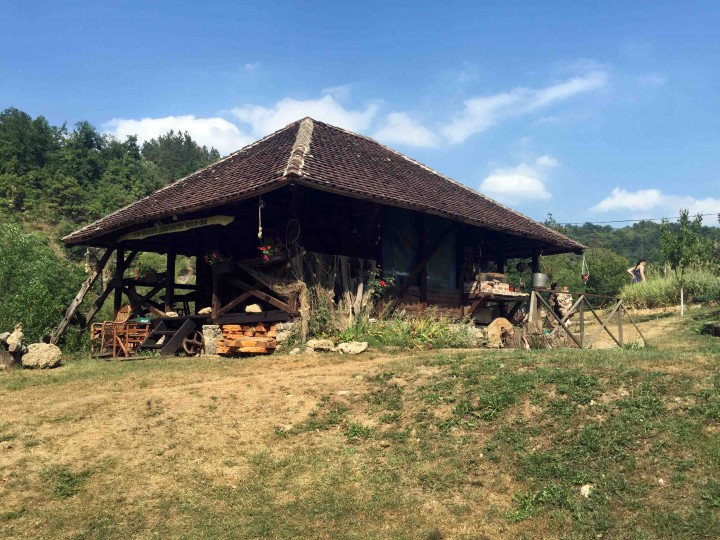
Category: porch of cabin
[429,260]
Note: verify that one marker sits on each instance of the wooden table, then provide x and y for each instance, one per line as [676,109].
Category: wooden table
[484,298]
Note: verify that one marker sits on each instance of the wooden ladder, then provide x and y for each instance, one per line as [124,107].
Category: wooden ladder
[174,330]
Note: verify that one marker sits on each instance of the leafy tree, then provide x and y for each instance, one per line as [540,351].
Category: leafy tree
[608,272]
[683,246]
[38,284]
[177,155]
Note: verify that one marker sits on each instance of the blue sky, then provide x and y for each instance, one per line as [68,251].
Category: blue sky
[591,111]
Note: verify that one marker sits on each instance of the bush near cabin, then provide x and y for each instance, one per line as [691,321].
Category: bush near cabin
[37,283]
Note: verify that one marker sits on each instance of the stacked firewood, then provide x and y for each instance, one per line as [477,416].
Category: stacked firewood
[255,338]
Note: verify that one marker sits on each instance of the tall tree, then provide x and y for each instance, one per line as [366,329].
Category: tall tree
[177,155]
[682,247]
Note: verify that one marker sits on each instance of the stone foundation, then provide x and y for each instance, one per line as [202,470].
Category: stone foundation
[211,334]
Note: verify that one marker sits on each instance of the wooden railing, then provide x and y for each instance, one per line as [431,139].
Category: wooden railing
[579,308]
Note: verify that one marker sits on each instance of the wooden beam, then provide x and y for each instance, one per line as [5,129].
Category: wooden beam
[258,294]
[130,258]
[170,279]
[599,320]
[550,310]
[119,271]
[98,303]
[422,241]
[604,325]
[239,300]
[80,296]
[144,302]
[499,254]
[216,306]
[535,264]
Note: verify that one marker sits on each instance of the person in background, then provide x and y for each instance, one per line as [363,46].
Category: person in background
[638,271]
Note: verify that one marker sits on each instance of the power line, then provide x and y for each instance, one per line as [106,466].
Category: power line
[636,220]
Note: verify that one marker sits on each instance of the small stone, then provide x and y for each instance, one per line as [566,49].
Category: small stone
[661,481]
[42,355]
[171,314]
[205,311]
[586,490]
[353,347]
[296,350]
[321,345]
[342,393]
[253,308]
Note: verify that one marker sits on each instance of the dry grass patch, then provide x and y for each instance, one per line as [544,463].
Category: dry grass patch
[435,444]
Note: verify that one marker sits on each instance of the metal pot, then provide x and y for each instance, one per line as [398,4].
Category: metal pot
[539,281]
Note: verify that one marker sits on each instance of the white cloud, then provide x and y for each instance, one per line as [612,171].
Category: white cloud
[645,200]
[513,185]
[340,92]
[483,112]
[399,128]
[652,79]
[265,120]
[547,161]
[250,67]
[217,132]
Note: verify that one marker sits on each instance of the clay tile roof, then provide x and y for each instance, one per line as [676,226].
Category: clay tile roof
[329,158]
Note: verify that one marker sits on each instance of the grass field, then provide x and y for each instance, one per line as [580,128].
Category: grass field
[390,444]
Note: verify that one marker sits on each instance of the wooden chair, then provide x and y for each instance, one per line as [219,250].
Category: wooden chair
[118,337]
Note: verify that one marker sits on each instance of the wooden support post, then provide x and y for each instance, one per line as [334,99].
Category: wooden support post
[499,255]
[119,271]
[170,280]
[620,324]
[582,321]
[216,305]
[533,307]
[422,241]
[535,264]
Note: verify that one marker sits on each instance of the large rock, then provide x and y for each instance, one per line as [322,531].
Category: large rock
[321,345]
[353,347]
[42,356]
[496,332]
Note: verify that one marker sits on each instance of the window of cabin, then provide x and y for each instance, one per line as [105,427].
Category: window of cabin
[442,266]
[400,245]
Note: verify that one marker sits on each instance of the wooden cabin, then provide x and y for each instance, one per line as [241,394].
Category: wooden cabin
[316,188]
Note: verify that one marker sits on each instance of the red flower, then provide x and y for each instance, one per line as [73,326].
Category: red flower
[382,283]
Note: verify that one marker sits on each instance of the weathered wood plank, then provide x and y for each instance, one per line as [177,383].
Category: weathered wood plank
[80,296]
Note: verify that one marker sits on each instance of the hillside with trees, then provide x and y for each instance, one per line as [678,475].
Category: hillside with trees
[54,179]
[64,178]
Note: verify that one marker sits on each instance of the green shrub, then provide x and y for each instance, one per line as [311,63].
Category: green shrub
[661,289]
[413,331]
[37,283]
